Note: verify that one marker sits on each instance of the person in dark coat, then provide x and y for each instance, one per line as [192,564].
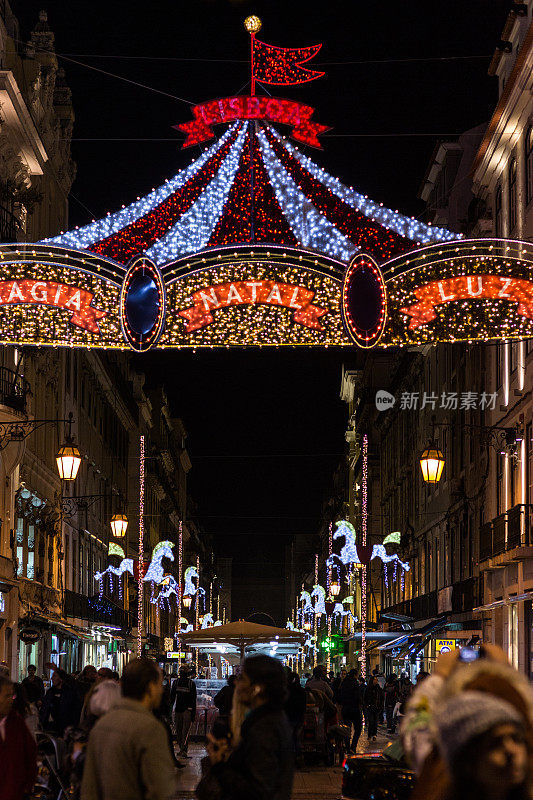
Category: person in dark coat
[373,703]
[349,699]
[224,698]
[295,708]
[337,683]
[183,702]
[18,751]
[33,686]
[85,681]
[61,706]
[261,766]
[391,695]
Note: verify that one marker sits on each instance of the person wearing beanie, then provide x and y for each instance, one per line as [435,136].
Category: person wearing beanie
[482,741]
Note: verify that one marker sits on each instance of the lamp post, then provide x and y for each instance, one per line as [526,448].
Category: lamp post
[503,439]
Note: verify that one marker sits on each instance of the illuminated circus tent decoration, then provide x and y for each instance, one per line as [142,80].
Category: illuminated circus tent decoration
[256,244]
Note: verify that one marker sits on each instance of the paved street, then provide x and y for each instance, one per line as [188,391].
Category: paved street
[310,783]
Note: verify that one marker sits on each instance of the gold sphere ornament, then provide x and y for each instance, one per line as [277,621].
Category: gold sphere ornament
[253,24]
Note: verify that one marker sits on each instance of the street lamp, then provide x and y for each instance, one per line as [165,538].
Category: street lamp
[307,626]
[432,463]
[334,588]
[68,461]
[187,600]
[119,525]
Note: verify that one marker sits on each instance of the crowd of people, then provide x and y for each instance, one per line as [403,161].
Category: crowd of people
[466,729]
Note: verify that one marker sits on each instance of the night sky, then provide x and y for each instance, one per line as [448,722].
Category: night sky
[266,429]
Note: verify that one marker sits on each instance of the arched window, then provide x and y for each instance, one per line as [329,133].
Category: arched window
[512,195]
[498,212]
[529,164]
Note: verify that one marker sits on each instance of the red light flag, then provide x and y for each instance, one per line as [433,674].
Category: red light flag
[281,66]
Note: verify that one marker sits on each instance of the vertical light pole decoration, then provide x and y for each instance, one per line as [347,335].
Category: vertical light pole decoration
[180,571]
[315,618]
[328,585]
[140,598]
[196,614]
[364,521]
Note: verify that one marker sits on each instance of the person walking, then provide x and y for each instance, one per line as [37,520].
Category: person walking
[335,686]
[391,697]
[349,699]
[18,751]
[61,705]
[85,681]
[33,686]
[319,682]
[261,766]
[183,703]
[373,703]
[295,708]
[128,757]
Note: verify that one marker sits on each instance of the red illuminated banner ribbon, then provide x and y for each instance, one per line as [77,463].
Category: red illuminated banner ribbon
[222,295]
[469,287]
[271,109]
[60,295]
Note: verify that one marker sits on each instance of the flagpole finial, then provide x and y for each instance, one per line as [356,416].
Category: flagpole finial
[253,24]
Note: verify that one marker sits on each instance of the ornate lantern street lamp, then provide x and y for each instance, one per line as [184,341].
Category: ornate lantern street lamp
[432,463]
[119,525]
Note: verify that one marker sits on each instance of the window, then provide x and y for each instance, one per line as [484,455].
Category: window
[529,164]
[498,212]
[25,536]
[514,355]
[529,462]
[512,194]
[499,485]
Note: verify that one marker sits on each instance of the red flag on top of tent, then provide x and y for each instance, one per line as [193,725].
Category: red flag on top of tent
[281,66]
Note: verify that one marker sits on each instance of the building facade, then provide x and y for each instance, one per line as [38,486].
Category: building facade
[56,535]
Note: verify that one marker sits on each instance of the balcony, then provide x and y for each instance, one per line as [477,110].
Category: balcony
[92,609]
[14,390]
[9,225]
[507,532]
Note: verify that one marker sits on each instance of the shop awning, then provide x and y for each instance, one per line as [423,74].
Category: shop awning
[376,636]
[415,641]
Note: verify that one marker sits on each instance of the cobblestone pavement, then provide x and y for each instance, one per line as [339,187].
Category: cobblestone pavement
[310,782]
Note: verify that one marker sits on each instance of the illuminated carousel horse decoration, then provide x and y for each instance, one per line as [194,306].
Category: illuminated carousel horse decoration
[155,572]
[307,610]
[349,555]
[169,586]
[310,644]
[340,612]
[201,593]
[126,565]
[187,629]
[290,625]
[320,603]
[208,621]
[190,588]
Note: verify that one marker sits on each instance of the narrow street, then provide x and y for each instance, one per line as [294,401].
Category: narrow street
[310,782]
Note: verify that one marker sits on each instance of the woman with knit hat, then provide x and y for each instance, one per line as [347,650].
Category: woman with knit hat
[482,740]
[490,676]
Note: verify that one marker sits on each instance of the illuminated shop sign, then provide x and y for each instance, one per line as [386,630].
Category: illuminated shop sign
[266,295]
